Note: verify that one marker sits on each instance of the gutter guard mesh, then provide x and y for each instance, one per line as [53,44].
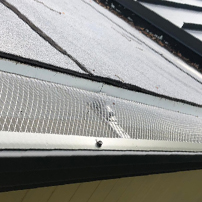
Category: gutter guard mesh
[34,106]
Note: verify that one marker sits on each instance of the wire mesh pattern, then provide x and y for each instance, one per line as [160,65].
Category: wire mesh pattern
[35,106]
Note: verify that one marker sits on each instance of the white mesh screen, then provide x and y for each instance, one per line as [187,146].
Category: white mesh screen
[30,105]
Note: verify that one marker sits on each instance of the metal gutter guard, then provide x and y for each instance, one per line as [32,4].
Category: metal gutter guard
[53,134]
[36,114]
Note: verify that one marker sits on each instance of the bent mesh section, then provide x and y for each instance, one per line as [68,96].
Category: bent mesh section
[34,106]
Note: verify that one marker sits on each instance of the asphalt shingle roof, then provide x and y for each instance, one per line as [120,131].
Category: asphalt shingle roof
[18,38]
[103,43]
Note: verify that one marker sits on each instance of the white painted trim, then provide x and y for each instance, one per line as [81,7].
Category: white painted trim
[13,140]
[97,87]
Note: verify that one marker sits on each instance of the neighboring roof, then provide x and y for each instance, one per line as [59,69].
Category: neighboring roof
[104,44]
[179,13]
[197,34]
[197,3]
[176,15]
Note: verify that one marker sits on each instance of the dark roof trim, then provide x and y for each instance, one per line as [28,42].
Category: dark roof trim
[164,25]
[105,80]
[31,169]
[173,4]
[192,26]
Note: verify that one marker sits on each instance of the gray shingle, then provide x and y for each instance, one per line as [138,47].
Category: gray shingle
[19,39]
[109,47]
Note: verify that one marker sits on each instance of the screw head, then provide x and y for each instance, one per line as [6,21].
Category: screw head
[99,143]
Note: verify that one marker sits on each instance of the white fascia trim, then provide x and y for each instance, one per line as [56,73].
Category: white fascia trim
[97,87]
[36,141]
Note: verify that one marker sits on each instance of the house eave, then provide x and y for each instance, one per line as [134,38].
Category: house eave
[22,169]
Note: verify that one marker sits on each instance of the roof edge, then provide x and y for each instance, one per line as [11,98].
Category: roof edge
[83,81]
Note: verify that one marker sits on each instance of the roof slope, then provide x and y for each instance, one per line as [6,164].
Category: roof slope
[105,45]
[17,38]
